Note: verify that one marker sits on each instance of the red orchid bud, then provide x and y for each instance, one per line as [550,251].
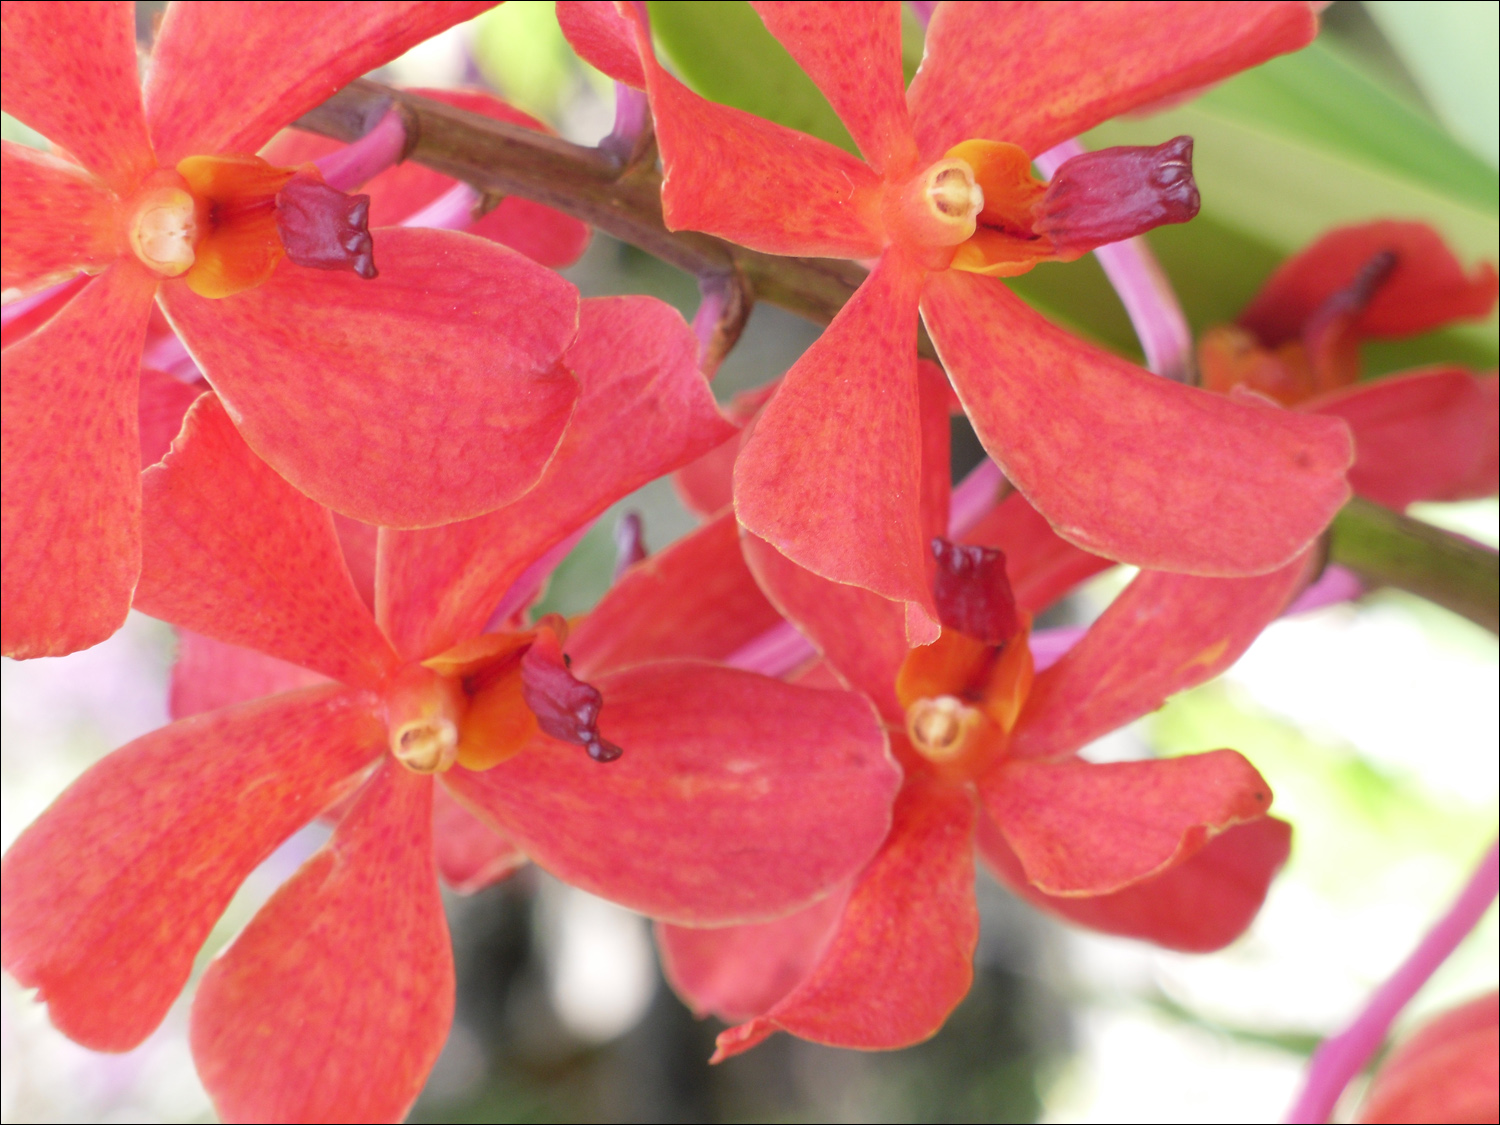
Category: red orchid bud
[1116,193]
[972,593]
[565,707]
[324,229]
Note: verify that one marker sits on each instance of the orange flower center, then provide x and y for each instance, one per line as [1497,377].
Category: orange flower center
[223,223]
[424,712]
[962,699]
[487,699]
[163,230]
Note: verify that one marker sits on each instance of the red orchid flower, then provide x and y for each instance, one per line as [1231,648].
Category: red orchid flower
[1422,435]
[385,399]
[1446,1071]
[731,797]
[171,381]
[1177,851]
[1124,465]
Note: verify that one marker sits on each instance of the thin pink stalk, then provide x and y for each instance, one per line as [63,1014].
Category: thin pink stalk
[1336,584]
[1048,646]
[523,590]
[973,497]
[1144,290]
[922,9]
[630,543]
[357,164]
[453,210]
[167,353]
[632,122]
[22,305]
[1343,1056]
[777,651]
[713,300]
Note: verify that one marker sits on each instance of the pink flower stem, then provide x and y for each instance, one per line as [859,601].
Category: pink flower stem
[1336,584]
[523,591]
[1341,1057]
[973,497]
[453,210]
[777,651]
[22,305]
[355,165]
[632,124]
[922,9]
[1143,288]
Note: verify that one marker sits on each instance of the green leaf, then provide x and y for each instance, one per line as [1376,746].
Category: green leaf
[1324,97]
[724,52]
[1451,50]
[1306,143]
[520,50]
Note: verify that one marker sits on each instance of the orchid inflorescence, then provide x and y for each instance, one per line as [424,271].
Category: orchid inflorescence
[336,418]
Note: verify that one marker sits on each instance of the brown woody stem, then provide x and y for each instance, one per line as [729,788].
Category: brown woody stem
[622,197]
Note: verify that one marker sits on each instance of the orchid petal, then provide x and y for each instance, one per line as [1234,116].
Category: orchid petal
[233,551]
[1041,565]
[163,405]
[740,972]
[860,634]
[70,465]
[433,393]
[694,599]
[68,71]
[1446,1071]
[852,52]
[1430,435]
[359,543]
[1053,71]
[773,189]
[1163,634]
[902,956]
[1199,906]
[470,854]
[1127,464]
[333,1003]
[738,797]
[706,487]
[109,895]
[603,37]
[223,80]
[1084,829]
[644,409]
[1426,289]
[210,674]
[848,510]
[55,220]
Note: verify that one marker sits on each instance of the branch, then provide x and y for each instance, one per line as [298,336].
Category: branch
[623,198]
[1388,549]
[604,191]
